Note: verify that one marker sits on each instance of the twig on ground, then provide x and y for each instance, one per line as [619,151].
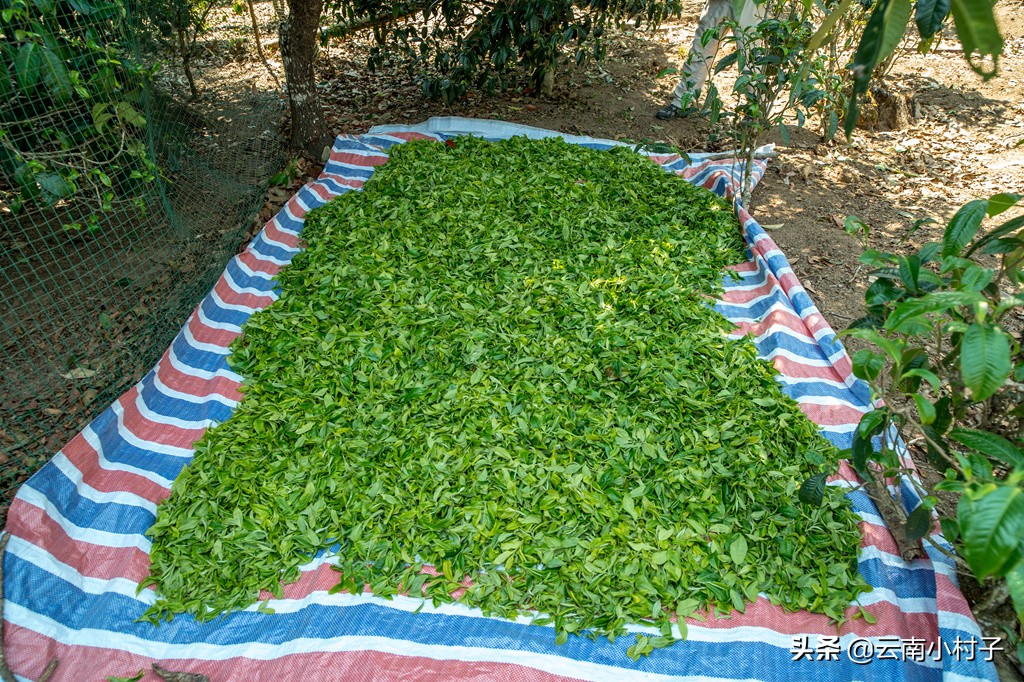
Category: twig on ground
[174,676]
[895,519]
[259,45]
[48,673]
[734,155]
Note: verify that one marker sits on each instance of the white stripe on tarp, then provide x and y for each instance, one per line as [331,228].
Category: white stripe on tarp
[93,439]
[61,461]
[214,324]
[249,271]
[91,536]
[254,251]
[142,444]
[190,339]
[174,422]
[237,307]
[201,651]
[239,289]
[188,397]
[203,374]
[43,560]
[279,244]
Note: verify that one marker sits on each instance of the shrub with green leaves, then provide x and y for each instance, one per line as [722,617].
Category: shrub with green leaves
[70,126]
[499,359]
[946,360]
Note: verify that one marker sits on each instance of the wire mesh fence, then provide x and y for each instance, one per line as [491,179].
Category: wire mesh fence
[123,192]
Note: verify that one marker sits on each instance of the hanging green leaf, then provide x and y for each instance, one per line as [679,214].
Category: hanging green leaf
[984,359]
[963,226]
[930,15]
[1015,581]
[919,523]
[978,32]
[990,444]
[992,528]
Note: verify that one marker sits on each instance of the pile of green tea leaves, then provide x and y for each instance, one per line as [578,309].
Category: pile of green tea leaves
[499,359]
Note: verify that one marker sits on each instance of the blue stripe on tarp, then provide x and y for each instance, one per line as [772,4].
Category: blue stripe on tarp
[265,248]
[207,361]
[110,517]
[170,406]
[259,281]
[215,313]
[119,451]
[738,659]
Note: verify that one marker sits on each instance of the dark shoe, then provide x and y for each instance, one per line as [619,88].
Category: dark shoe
[669,111]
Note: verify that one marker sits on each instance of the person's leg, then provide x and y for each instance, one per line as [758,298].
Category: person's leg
[702,54]
[751,15]
[698,61]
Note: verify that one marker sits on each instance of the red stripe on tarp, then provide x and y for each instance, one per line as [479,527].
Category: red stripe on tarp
[745,296]
[664,159]
[878,537]
[777,318]
[29,652]
[297,210]
[142,428]
[763,243]
[322,191]
[203,333]
[763,614]
[256,265]
[232,297]
[408,136]
[275,232]
[843,367]
[746,266]
[352,159]
[798,370]
[32,524]
[949,597]
[85,458]
[831,415]
[176,380]
[348,182]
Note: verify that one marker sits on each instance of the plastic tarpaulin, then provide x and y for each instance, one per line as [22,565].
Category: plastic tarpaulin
[78,546]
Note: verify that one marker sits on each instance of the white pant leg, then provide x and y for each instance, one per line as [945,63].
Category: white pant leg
[702,55]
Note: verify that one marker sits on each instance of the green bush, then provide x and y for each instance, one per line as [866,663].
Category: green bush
[477,44]
[947,362]
[70,120]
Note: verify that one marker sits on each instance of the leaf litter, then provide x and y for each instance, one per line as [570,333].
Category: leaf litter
[495,372]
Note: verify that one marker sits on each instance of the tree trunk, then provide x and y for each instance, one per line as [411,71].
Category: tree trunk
[259,44]
[186,63]
[299,36]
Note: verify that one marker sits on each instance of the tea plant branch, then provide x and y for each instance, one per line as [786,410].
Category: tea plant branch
[757,155]
[895,518]
[956,558]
